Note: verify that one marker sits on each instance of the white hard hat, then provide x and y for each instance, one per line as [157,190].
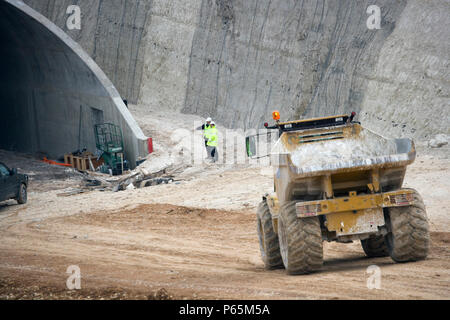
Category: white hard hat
[208,120]
[213,123]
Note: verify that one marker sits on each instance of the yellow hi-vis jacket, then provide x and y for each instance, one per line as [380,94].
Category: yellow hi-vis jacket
[212,137]
[205,130]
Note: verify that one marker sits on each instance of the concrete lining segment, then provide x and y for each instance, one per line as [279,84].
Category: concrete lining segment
[52,92]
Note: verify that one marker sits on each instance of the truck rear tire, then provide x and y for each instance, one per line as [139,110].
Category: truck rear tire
[409,237]
[268,239]
[375,247]
[300,241]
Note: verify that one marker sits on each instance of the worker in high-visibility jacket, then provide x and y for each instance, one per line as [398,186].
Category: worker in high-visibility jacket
[212,142]
[205,127]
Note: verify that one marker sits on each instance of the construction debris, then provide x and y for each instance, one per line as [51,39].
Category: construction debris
[141,178]
[438,141]
[71,192]
[83,162]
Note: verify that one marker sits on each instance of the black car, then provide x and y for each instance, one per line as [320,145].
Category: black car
[12,185]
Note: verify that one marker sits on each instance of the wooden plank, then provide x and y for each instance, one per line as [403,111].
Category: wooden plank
[91,165]
[86,162]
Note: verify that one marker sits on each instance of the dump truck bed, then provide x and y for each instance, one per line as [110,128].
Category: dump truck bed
[348,153]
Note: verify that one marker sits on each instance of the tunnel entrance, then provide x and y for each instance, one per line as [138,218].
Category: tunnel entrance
[51,92]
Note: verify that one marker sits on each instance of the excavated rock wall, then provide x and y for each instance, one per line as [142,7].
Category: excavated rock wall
[305,58]
[112,33]
[237,60]
[409,93]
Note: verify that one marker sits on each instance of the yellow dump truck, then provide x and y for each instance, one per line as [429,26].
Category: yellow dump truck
[337,181]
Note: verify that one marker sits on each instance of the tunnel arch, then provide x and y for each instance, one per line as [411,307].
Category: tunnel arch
[52,93]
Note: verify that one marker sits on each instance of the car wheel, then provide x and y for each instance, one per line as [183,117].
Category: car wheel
[22,199]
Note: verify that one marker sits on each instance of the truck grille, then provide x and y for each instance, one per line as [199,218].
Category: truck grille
[321,137]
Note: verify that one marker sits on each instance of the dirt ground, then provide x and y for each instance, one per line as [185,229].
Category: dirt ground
[191,253]
[195,239]
[134,245]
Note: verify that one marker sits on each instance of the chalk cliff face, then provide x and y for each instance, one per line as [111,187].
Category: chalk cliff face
[112,33]
[168,43]
[409,93]
[237,60]
[306,58]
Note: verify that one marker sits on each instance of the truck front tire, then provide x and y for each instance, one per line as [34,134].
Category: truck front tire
[375,246]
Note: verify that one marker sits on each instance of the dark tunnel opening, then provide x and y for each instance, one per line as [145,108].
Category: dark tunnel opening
[51,97]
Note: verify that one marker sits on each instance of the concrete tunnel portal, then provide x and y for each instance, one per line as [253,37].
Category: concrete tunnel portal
[52,93]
